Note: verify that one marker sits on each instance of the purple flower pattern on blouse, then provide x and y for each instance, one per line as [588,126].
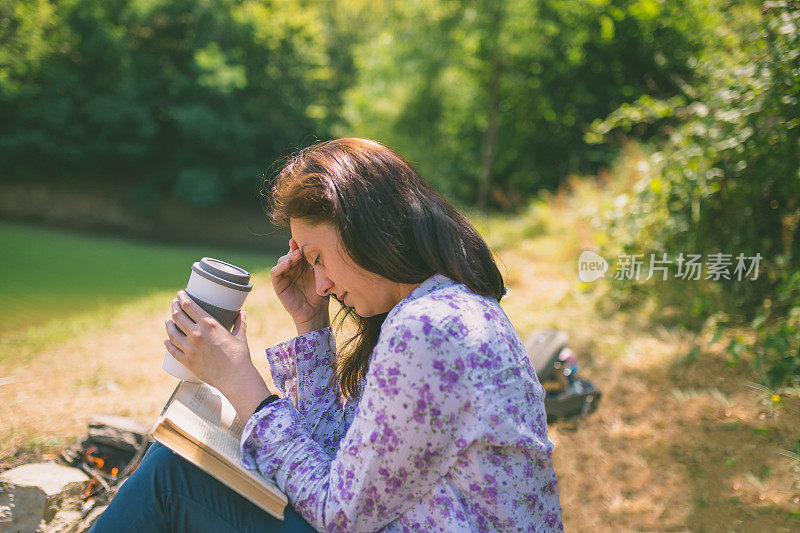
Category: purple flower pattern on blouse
[449,433]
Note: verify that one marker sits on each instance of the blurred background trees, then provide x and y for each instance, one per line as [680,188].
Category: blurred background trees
[499,92]
[724,178]
[493,101]
[196,99]
[179,97]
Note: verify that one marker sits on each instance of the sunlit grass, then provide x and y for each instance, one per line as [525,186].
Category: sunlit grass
[47,274]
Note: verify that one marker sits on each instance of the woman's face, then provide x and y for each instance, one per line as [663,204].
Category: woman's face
[335,273]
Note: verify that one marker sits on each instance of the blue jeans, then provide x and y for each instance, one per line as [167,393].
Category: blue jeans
[167,493]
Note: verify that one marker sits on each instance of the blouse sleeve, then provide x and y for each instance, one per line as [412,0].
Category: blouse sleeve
[403,439]
[302,368]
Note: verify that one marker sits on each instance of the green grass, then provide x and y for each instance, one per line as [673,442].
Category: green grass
[48,274]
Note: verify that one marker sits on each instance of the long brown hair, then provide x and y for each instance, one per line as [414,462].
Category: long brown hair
[391,223]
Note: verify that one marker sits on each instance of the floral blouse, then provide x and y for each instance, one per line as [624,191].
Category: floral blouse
[449,433]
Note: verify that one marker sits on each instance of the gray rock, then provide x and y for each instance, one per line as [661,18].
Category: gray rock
[91,518]
[30,495]
[67,520]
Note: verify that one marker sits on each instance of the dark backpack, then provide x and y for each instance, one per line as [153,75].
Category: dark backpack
[567,395]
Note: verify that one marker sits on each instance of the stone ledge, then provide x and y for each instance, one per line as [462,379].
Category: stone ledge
[31,494]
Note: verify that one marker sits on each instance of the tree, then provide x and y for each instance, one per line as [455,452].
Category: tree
[492,98]
[183,97]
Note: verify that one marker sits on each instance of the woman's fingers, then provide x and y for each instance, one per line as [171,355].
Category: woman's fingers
[195,312]
[288,259]
[280,268]
[181,319]
[291,256]
[175,352]
[285,263]
[176,338]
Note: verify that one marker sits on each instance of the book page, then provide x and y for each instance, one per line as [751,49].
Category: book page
[248,486]
[215,439]
[211,405]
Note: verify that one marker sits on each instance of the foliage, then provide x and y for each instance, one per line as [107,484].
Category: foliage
[434,76]
[490,98]
[776,348]
[184,96]
[726,179]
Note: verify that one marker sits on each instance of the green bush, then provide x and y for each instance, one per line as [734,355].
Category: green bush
[489,98]
[726,179]
[507,87]
[150,95]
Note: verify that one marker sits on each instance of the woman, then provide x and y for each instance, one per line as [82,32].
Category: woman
[430,418]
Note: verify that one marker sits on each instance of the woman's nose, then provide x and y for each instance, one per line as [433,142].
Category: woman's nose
[323,284]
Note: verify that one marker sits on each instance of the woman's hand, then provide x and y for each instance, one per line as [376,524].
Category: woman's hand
[215,355]
[293,282]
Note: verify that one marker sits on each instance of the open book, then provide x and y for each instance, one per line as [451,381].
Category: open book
[199,424]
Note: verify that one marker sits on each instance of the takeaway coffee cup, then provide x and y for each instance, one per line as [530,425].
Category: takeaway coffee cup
[220,289]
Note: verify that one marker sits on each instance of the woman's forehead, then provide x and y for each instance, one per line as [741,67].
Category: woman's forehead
[306,234]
